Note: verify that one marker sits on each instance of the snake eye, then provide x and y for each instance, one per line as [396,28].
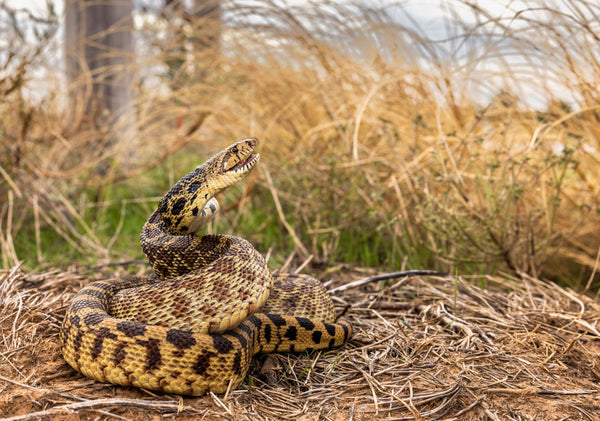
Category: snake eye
[234,149]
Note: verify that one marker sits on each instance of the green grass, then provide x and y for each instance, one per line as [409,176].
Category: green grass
[116,214]
[376,158]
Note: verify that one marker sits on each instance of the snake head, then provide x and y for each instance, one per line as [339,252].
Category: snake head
[236,162]
[190,204]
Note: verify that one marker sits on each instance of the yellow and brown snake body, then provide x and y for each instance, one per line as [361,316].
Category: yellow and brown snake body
[210,306]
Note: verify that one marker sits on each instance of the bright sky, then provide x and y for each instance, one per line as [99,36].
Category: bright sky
[426,14]
[35,5]
[426,8]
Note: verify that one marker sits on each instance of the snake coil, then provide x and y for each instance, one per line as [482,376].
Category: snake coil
[210,306]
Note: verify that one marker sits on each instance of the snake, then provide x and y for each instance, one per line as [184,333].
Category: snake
[211,303]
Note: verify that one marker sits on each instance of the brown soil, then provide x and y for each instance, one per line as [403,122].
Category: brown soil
[423,348]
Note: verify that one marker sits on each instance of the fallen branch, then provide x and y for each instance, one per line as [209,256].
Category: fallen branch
[391,275]
[96,404]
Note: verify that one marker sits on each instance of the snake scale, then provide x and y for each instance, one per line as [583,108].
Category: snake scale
[210,305]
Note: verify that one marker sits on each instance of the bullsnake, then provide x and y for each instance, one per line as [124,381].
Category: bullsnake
[211,304]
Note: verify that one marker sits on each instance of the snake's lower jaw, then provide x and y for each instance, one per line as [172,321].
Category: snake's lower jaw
[205,216]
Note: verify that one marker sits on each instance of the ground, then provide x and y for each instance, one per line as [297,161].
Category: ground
[423,348]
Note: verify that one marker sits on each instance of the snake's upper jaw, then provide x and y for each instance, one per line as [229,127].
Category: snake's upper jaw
[243,165]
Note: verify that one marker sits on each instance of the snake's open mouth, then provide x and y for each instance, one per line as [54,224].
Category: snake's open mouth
[245,164]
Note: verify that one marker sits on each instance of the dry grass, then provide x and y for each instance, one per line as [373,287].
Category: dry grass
[423,348]
[383,145]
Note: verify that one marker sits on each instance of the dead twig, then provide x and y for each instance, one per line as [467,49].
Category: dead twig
[95,404]
[385,276]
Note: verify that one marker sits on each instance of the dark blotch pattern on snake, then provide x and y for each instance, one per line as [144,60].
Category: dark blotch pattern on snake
[210,306]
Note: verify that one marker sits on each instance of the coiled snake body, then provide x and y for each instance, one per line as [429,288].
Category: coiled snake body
[211,305]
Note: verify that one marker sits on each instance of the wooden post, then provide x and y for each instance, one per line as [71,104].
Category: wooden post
[100,59]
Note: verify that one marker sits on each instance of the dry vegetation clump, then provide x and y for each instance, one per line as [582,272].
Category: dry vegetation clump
[423,348]
[385,142]
[398,161]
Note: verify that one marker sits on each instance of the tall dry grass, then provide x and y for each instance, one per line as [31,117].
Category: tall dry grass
[385,141]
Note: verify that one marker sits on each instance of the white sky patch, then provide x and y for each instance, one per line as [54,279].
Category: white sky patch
[36,7]
[469,61]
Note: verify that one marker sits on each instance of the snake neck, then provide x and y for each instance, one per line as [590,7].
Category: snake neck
[194,251]
[190,204]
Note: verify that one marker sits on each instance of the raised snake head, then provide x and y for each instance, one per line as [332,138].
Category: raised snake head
[190,204]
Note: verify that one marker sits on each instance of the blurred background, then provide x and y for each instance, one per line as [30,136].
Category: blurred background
[460,135]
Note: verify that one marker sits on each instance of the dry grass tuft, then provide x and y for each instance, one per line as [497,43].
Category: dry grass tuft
[388,144]
[424,348]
